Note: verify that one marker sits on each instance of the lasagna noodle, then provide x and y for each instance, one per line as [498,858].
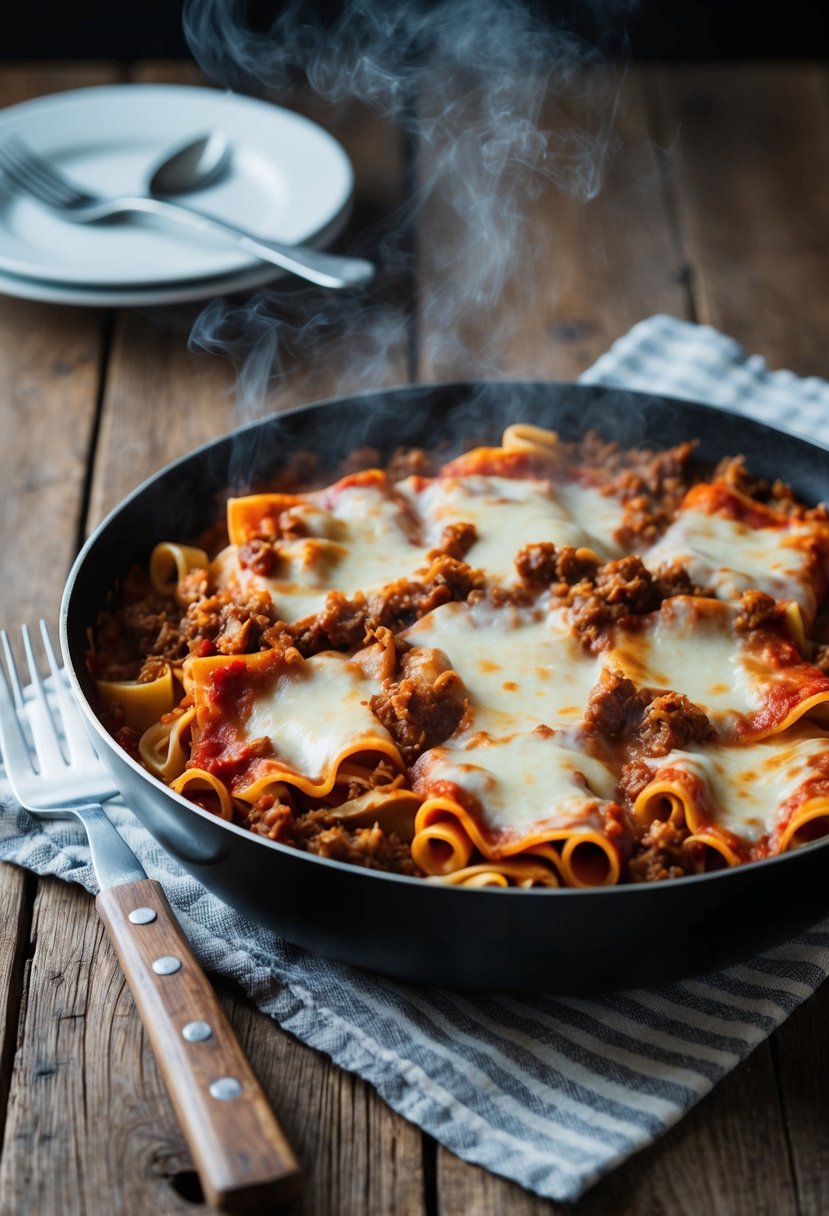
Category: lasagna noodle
[518,872]
[516,797]
[357,535]
[363,533]
[730,543]
[750,684]
[522,436]
[743,801]
[164,747]
[170,563]
[143,703]
[262,720]
[203,787]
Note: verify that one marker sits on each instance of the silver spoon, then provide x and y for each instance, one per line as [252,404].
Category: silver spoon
[202,162]
[187,169]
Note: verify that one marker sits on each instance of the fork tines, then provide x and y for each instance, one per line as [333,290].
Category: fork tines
[58,735]
[28,170]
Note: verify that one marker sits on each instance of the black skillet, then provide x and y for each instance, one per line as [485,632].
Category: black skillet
[556,941]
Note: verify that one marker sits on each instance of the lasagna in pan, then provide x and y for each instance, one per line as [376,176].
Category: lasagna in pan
[540,664]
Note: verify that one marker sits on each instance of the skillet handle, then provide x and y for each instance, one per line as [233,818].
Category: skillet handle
[242,1155]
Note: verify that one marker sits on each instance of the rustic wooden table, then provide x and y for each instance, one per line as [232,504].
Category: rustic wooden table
[716,210]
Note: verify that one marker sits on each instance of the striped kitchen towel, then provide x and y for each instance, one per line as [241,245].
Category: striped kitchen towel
[550,1092]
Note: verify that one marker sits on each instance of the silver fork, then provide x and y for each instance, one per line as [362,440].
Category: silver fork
[68,760]
[241,1152]
[36,176]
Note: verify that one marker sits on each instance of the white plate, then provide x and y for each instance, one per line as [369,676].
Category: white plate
[136,297]
[289,181]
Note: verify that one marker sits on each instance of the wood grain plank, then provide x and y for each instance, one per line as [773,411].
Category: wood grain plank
[16,897]
[358,1156]
[83,1134]
[160,400]
[51,357]
[578,274]
[802,1057]
[750,164]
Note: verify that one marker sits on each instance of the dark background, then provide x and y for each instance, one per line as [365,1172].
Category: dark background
[662,30]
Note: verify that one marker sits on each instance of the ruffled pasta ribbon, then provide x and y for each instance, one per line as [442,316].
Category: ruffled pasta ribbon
[143,704]
[682,798]
[164,747]
[447,836]
[524,437]
[809,822]
[520,872]
[195,781]
[169,563]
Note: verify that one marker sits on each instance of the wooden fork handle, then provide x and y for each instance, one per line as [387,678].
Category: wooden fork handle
[242,1155]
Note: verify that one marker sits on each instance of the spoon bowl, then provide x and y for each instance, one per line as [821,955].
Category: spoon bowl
[197,164]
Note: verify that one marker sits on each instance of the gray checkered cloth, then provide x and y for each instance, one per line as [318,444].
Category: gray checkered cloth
[550,1092]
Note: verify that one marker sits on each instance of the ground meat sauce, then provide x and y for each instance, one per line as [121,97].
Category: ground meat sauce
[659,854]
[145,624]
[658,722]
[757,610]
[343,623]
[320,832]
[423,705]
[775,494]
[423,702]
[220,624]
[651,485]
[455,541]
[597,595]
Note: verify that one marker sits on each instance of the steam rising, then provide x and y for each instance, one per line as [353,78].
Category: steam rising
[464,81]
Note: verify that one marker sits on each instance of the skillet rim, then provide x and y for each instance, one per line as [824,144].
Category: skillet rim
[417,883]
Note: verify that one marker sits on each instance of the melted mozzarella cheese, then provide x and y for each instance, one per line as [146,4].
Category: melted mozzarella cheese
[525,781]
[747,786]
[522,667]
[690,647]
[731,556]
[598,515]
[751,683]
[363,540]
[313,714]
[363,536]
[507,513]
[292,600]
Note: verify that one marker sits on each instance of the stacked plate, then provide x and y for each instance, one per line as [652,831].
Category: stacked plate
[288,181]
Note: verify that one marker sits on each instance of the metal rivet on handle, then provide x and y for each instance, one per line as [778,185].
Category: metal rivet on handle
[197,1032]
[225,1087]
[142,916]
[168,964]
